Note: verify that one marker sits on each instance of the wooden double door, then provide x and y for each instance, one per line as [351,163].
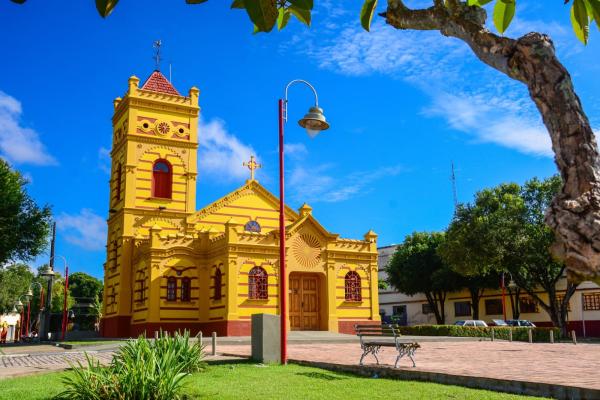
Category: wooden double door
[304,302]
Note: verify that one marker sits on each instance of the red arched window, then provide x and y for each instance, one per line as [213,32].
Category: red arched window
[218,283]
[171,289]
[258,284]
[162,179]
[352,287]
[186,289]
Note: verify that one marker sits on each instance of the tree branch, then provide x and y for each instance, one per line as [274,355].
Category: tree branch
[574,214]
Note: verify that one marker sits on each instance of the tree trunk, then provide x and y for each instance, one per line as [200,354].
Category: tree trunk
[575,213]
[555,310]
[432,301]
[514,303]
[476,294]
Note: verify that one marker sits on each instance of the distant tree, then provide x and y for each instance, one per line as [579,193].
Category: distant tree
[416,268]
[14,282]
[504,231]
[84,288]
[24,226]
[58,295]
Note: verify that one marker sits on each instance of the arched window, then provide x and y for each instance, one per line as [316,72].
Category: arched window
[186,289]
[162,179]
[171,289]
[118,185]
[352,287]
[258,284]
[218,283]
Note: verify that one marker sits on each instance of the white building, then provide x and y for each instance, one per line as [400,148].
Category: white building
[583,316]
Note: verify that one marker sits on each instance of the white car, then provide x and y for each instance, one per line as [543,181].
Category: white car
[471,322]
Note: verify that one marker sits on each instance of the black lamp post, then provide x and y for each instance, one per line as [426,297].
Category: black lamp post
[48,274]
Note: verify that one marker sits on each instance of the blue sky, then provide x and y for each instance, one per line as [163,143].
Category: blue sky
[402,106]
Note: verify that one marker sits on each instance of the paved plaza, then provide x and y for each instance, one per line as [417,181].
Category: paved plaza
[557,364]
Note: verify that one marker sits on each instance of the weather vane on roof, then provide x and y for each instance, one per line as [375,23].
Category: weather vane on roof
[156,45]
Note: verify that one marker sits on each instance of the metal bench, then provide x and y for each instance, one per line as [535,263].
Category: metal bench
[374,337]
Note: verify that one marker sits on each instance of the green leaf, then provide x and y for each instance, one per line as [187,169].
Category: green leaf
[301,14]
[366,14]
[594,6]
[195,1]
[105,7]
[263,13]
[478,2]
[580,21]
[504,11]
[238,4]
[283,18]
[303,4]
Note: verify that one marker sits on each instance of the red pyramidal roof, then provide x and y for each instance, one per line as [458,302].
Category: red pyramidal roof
[157,82]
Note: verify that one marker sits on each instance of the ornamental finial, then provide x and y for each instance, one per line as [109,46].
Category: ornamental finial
[252,166]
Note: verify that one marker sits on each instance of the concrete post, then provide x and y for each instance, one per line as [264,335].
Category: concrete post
[492,334]
[199,336]
[574,337]
[530,335]
[510,335]
[214,344]
[155,335]
[551,336]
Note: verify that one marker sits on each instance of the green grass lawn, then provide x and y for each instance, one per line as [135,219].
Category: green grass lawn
[250,381]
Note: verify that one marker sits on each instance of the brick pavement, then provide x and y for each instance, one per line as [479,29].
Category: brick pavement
[559,364]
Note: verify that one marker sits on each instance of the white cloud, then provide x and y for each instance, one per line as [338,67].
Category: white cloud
[470,96]
[104,160]
[295,150]
[19,144]
[221,153]
[319,184]
[493,120]
[86,229]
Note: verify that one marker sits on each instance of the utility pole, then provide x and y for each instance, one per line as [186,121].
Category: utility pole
[453,179]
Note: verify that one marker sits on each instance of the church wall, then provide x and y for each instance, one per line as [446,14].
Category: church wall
[247,306]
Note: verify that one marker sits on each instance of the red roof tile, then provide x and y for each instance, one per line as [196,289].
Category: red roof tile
[158,83]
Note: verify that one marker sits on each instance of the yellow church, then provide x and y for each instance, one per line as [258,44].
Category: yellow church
[172,267]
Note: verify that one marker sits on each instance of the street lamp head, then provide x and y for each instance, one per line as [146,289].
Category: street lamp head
[47,273]
[14,310]
[18,304]
[314,121]
[512,284]
[29,293]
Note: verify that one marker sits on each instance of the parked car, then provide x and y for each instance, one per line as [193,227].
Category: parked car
[470,322]
[498,322]
[521,322]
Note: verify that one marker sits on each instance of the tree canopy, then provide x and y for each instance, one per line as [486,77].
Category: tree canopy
[416,267]
[85,288]
[14,282]
[24,226]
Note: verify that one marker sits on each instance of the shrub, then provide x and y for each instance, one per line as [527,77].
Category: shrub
[500,332]
[141,370]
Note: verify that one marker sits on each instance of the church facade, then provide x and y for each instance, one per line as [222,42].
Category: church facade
[172,267]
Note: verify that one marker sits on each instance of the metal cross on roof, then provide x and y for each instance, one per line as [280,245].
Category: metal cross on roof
[156,45]
[252,166]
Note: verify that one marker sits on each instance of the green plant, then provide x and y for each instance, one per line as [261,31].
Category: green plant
[141,370]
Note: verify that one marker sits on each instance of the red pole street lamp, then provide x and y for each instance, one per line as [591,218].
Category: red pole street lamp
[314,122]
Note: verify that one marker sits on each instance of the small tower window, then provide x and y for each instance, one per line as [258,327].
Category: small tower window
[162,179]
[258,284]
[118,185]
[186,289]
[218,283]
[352,287]
[171,289]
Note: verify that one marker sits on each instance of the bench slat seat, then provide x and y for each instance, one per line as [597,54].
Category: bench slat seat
[370,342]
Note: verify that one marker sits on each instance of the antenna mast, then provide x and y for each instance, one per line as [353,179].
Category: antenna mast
[453,179]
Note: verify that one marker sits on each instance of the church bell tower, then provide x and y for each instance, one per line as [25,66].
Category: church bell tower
[153,182]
